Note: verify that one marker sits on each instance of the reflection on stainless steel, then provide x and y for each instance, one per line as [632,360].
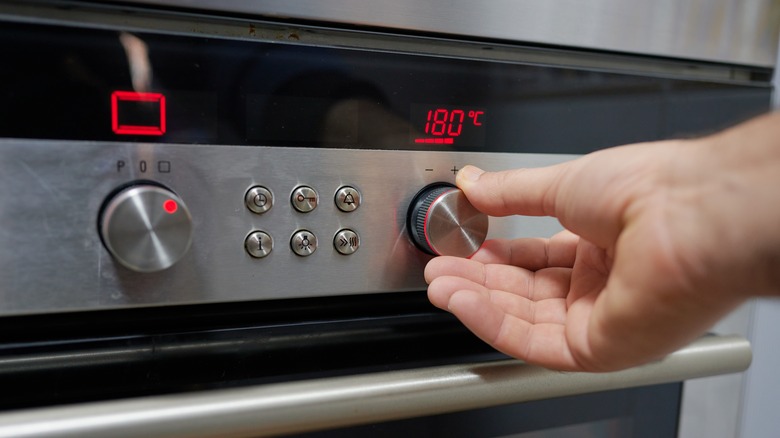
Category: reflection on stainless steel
[96,353]
[138,58]
[743,32]
[336,402]
[53,362]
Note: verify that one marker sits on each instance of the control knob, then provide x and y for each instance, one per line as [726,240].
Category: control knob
[442,221]
[146,228]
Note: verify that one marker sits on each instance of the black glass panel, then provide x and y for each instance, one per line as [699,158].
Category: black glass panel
[90,356]
[86,84]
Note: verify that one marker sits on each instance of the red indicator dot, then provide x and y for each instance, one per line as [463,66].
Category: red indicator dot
[170,206]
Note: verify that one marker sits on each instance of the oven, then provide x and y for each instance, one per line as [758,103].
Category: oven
[208,212]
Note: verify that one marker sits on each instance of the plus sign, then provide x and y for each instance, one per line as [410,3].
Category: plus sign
[454,170]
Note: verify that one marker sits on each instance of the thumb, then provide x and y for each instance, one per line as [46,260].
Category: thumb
[530,192]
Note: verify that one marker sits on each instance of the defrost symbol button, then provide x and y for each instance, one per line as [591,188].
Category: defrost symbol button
[348,199]
[259,244]
[303,243]
[304,199]
[259,199]
[346,241]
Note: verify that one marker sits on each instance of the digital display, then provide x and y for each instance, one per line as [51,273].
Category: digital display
[96,85]
[170,115]
[448,125]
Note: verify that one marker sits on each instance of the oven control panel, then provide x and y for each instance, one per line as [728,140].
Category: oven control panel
[152,158]
[90,225]
[148,228]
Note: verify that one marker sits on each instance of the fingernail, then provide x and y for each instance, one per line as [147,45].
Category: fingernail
[470,173]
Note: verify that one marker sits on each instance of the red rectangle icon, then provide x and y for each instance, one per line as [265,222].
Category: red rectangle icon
[135,113]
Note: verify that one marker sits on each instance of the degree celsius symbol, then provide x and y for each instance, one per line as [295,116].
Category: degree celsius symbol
[443,121]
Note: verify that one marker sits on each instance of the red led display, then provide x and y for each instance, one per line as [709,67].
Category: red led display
[446,125]
[135,113]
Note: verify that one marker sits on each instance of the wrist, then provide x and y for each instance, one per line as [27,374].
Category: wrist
[737,180]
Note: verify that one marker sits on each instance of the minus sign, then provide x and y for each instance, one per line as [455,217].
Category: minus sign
[429,170]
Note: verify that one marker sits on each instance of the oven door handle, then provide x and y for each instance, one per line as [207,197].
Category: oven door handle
[309,405]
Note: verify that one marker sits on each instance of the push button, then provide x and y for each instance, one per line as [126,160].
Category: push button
[303,243]
[348,199]
[346,241]
[259,244]
[304,199]
[259,199]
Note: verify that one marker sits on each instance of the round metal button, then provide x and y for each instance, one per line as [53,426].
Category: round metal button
[442,221]
[146,228]
[259,244]
[348,199]
[259,199]
[304,199]
[303,243]
[346,241]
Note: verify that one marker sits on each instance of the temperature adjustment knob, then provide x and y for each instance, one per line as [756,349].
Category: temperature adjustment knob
[146,228]
[443,222]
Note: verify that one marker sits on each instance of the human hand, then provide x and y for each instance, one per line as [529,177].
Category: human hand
[664,239]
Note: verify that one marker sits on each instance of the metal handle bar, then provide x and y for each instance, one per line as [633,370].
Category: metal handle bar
[343,401]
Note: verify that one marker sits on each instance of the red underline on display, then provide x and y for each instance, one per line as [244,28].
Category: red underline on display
[448,140]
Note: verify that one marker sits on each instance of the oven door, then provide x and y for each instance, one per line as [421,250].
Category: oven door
[386,364]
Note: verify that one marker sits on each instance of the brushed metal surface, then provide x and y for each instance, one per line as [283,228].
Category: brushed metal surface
[141,230]
[130,18]
[346,242]
[447,224]
[259,244]
[344,401]
[51,257]
[730,31]
[347,199]
[259,199]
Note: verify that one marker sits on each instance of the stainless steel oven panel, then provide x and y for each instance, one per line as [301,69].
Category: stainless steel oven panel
[52,258]
[741,32]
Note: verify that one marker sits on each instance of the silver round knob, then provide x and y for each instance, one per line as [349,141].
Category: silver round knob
[146,228]
[443,222]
